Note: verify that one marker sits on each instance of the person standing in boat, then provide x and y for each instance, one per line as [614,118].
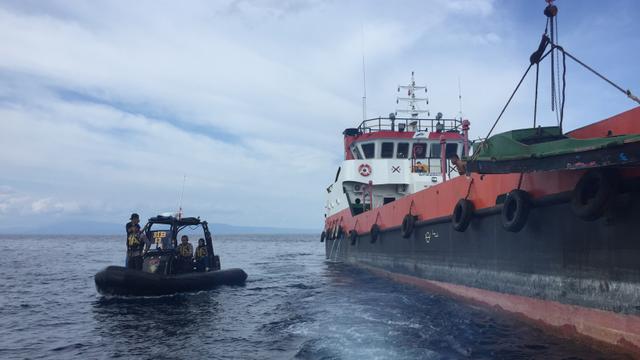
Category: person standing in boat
[202,260]
[135,245]
[185,254]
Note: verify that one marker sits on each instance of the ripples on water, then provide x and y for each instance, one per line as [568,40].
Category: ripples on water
[294,305]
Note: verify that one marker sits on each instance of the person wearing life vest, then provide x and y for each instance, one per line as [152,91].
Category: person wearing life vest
[135,243]
[185,255]
[202,260]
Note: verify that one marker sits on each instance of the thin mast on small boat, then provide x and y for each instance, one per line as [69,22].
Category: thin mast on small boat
[184,180]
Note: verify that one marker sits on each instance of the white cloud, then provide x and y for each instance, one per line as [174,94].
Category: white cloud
[104,107]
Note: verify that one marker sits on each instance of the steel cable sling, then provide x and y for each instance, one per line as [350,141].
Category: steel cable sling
[535,59]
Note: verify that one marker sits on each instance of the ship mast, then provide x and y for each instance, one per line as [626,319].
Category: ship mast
[413,103]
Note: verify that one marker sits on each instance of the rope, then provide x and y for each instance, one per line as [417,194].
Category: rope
[535,102]
[564,87]
[626,92]
[558,99]
[553,75]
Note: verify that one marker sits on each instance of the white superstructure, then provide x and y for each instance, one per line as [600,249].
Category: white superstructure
[388,158]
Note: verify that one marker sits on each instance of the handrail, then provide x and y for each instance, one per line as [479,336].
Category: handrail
[402,124]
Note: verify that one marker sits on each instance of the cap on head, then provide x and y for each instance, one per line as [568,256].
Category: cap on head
[134,216]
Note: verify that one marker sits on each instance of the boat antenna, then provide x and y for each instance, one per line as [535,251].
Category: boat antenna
[184,180]
[364,76]
[459,98]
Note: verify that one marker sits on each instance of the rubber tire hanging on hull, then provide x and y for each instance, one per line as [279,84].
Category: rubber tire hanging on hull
[353,237]
[515,210]
[462,214]
[593,192]
[408,223]
[375,233]
[323,236]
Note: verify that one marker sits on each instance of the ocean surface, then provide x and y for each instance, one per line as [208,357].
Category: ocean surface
[295,304]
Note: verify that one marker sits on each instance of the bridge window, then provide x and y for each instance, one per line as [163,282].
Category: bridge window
[403,150]
[369,150]
[386,151]
[419,151]
[356,152]
[435,150]
[452,148]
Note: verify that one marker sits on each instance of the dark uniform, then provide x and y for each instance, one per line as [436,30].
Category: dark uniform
[135,245]
[202,260]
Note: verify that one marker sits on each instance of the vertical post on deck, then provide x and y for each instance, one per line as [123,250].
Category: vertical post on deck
[465,132]
[443,157]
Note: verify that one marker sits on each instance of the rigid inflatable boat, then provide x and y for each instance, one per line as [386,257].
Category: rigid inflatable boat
[163,270]
[118,280]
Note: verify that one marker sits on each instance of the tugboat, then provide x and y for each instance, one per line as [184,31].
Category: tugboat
[536,222]
[160,274]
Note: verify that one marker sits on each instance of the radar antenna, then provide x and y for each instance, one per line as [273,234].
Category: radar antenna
[413,102]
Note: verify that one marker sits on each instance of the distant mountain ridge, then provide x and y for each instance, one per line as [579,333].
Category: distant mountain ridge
[104,228]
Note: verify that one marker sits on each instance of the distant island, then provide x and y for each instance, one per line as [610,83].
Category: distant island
[104,228]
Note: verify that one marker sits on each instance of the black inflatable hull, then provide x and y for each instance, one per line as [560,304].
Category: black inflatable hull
[118,280]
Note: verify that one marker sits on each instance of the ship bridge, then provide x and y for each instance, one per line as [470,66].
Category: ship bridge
[386,158]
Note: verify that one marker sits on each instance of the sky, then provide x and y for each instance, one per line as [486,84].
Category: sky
[107,106]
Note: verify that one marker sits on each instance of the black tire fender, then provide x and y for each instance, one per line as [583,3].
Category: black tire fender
[462,214]
[353,237]
[408,223]
[515,210]
[593,192]
[323,236]
[375,233]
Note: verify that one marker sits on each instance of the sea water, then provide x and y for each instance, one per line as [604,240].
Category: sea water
[295,304]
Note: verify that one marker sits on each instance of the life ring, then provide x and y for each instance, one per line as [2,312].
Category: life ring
[375,233]
[353,236]
[408,223]
[515,210]
[462,214]
[592,194]
[323,236]
[364,169]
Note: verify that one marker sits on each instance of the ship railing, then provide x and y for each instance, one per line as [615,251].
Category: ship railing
[410,124]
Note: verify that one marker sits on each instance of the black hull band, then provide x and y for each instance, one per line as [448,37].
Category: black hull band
[118,280]
[556,256]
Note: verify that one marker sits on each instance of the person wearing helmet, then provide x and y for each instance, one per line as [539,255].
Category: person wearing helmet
[135,244]
[202,262]
[185,255]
